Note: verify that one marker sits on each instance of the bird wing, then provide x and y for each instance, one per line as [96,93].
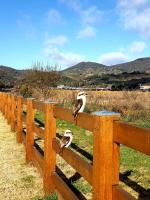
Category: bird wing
[78,105]
[64,141]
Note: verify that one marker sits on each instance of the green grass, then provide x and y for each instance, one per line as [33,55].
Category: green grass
[51,197]
[134,166]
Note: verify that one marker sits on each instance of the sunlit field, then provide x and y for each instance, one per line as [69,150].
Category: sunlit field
[134,107]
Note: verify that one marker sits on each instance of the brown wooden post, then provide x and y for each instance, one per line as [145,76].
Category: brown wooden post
[15,112]
[30,130]
[19,119]
[2,105]
[59,196]
[13,105]
[104,176]
[9,109]
[1,101]
[6,105]
[49,153]
[3,108]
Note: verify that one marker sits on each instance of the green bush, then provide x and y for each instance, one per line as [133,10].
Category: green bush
[25,91]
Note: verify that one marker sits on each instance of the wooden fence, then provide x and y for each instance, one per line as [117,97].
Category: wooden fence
[108,134]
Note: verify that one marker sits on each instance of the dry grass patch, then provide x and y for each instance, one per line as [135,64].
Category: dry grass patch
[18,181]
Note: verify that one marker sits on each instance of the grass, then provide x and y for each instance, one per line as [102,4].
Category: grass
[17,179]
[51,197]
[134,166]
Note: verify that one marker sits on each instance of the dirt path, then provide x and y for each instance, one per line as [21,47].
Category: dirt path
[18,181]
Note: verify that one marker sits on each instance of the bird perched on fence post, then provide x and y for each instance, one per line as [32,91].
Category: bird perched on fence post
[66,140]
[80,103]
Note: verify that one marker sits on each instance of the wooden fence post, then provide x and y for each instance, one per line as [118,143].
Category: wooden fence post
[49,152]
[0,101]
[9,109]
[13,108]
[104,176]
[19,119]
[3,103]
[30,130]
[6,105]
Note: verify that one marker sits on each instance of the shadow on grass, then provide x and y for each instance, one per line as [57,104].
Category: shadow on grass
[69,183]
[144,194]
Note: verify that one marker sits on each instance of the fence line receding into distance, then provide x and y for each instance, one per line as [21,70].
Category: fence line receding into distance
[108,134]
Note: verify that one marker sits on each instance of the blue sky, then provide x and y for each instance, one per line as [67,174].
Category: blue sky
[65,32]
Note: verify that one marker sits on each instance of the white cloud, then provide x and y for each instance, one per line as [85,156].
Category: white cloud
[137,47]
[53,16]
[135,15]
[66,59]
[87,32]
[51,50]
[58,40]
[113,58]
[91,15]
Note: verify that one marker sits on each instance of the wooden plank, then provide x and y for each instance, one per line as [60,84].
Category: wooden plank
[19,119]
[103,175]
[62,187]
[120,194]
[13,120]
[64,114]
[49,153]
[9,109]
[59,196]
[30,130]
[38,105]
[38,160]
[24,118]
[132,136]
[6,105]
[24,101]
[84,168]
[83,120]
[116,163]
[39,130]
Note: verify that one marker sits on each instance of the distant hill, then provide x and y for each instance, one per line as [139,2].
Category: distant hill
[140,65]
[88,69]
[8,75]
[127,75]
[84,69]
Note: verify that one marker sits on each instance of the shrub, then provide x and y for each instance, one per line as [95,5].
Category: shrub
[25,91]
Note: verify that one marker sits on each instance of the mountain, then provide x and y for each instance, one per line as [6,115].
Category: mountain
[127,75]
[84,70]
[140,65]
[8,75]
[88,69]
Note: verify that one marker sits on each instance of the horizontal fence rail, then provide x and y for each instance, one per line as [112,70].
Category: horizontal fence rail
[108,132]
